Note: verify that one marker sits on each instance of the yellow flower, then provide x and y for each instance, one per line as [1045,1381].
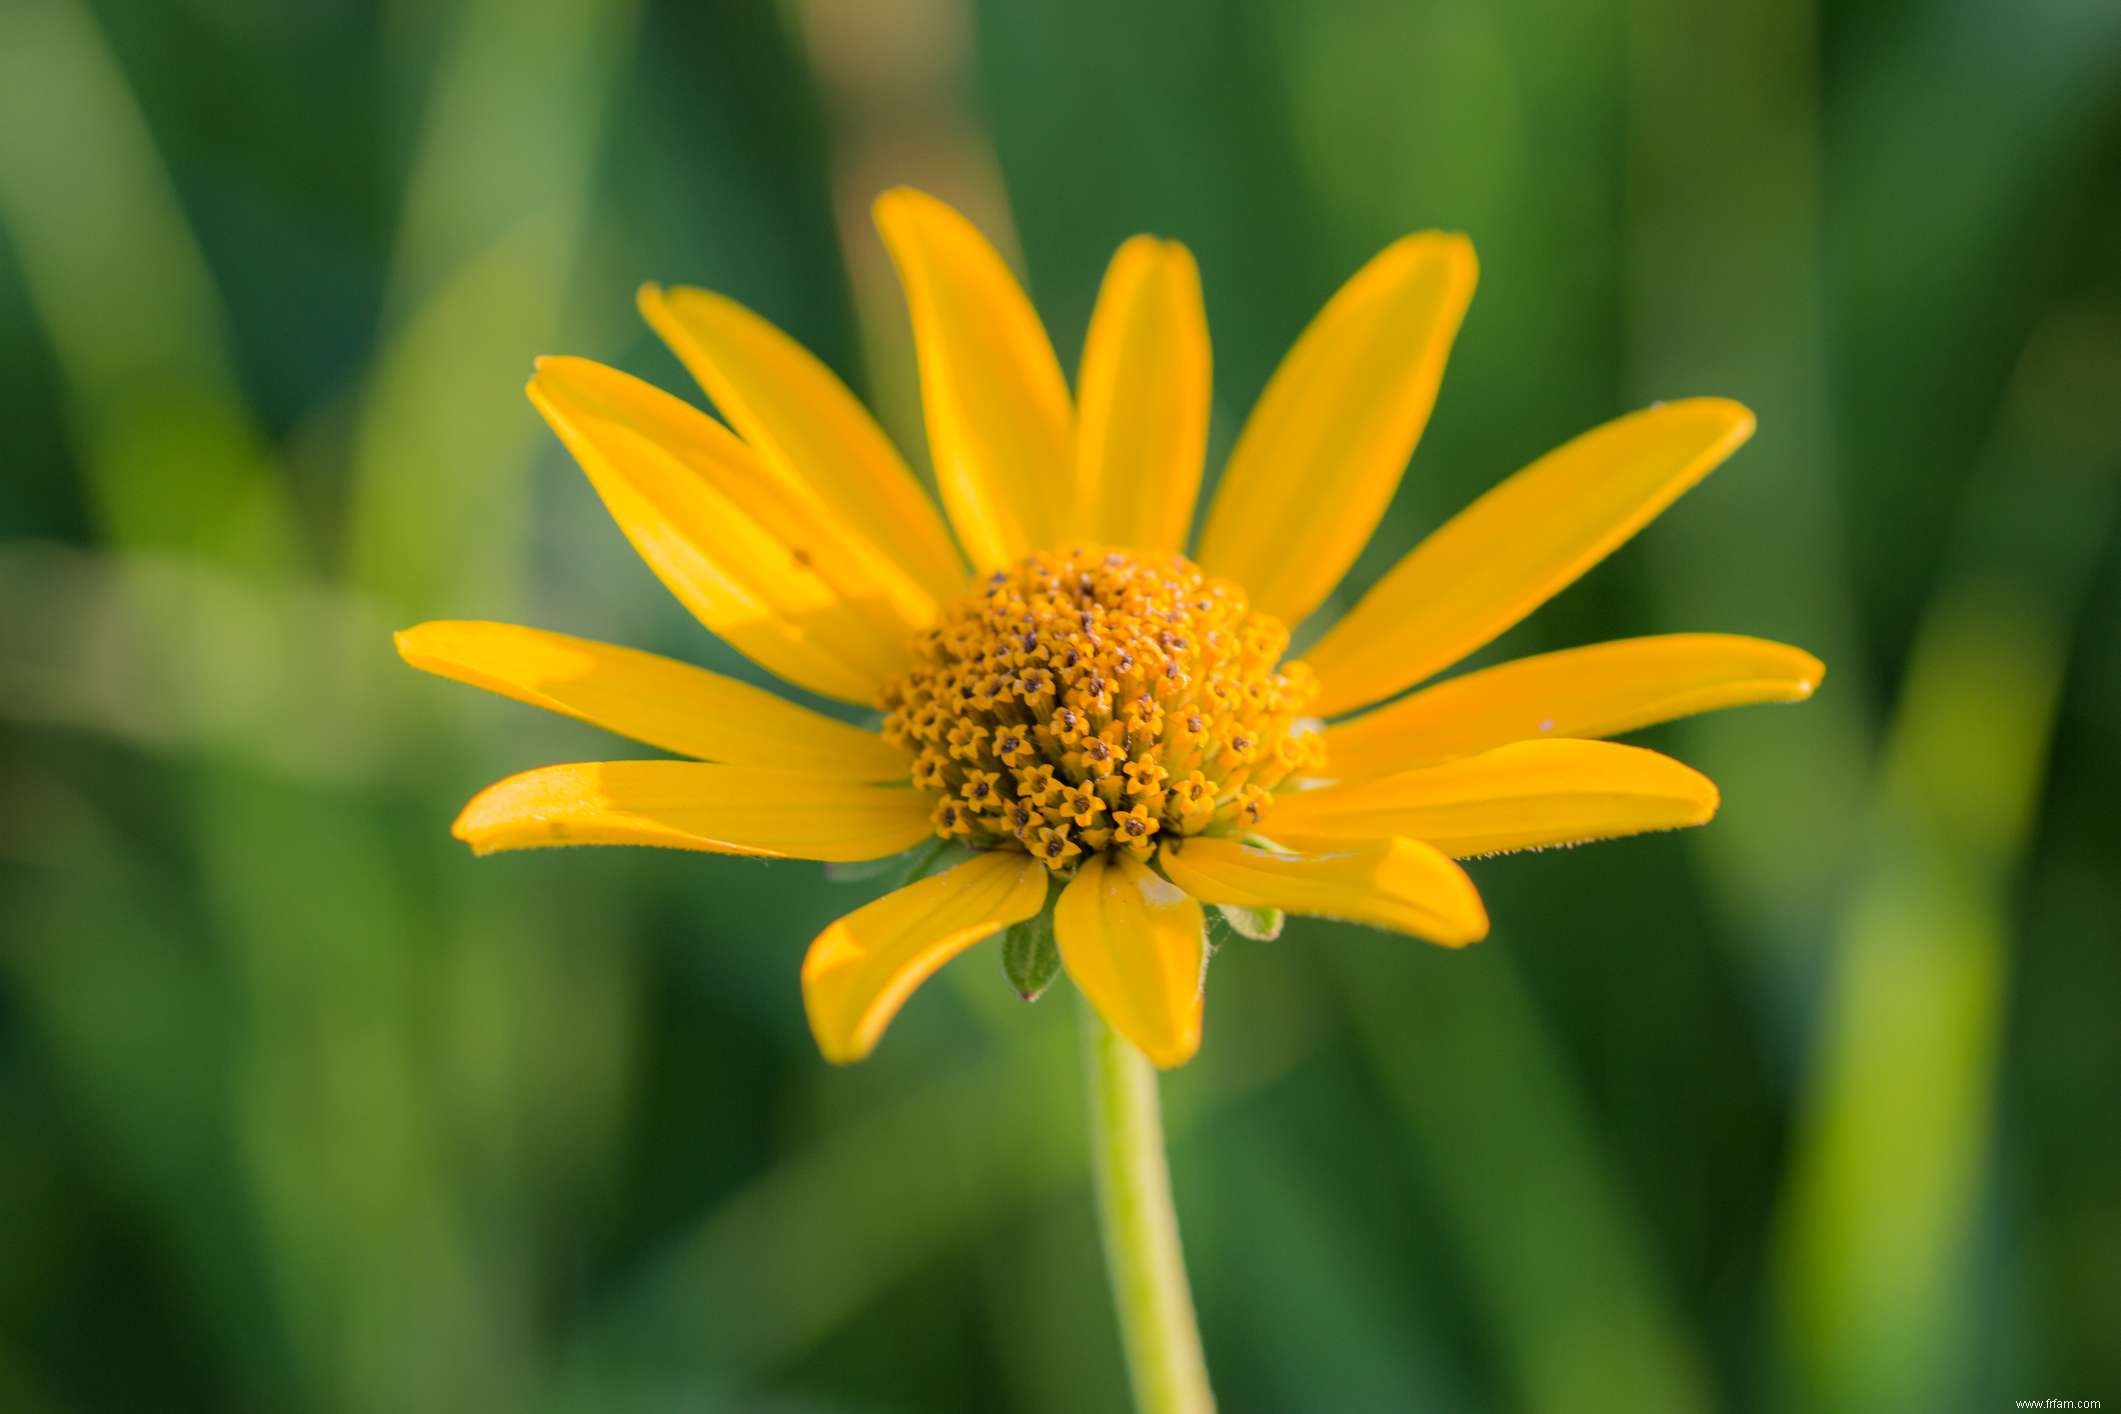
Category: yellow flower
[1100,718]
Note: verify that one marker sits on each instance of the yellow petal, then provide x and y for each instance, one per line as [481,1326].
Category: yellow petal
[1399,884]
[860,971]
[999,426]
[1603,690]
[798,416]
[1517,546]
[1136,946]
[1524,796]
[1142,422]
[665,703]
[776,576]
[1320,456]
[692,805]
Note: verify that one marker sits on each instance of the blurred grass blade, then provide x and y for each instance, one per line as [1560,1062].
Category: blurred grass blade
[179,656]
[495,215]
[1714,306]
[1326,1317]
[796,1254]
[1898,1128]
[892,80]
[172,454]
[1558,1261]
[132,1020]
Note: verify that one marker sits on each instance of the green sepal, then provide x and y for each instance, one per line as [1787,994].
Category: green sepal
[856,871]
[934,859]
[908,866]
[1261,925]
[1030,957]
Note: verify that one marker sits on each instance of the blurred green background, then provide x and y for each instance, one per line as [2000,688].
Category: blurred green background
[301,1108]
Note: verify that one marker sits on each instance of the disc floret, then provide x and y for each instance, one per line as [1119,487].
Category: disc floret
[1090,700]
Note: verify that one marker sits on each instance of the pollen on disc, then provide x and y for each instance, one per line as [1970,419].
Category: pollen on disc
[1088,700]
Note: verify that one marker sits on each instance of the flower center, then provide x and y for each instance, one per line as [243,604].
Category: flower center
[1086,700]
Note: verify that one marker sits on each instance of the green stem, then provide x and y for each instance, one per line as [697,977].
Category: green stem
[1156,1322]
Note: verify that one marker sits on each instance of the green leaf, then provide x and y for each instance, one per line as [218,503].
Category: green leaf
[1030,957]
[1261,925]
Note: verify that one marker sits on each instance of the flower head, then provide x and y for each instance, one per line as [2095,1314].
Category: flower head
[1109,727]
[1107,671]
